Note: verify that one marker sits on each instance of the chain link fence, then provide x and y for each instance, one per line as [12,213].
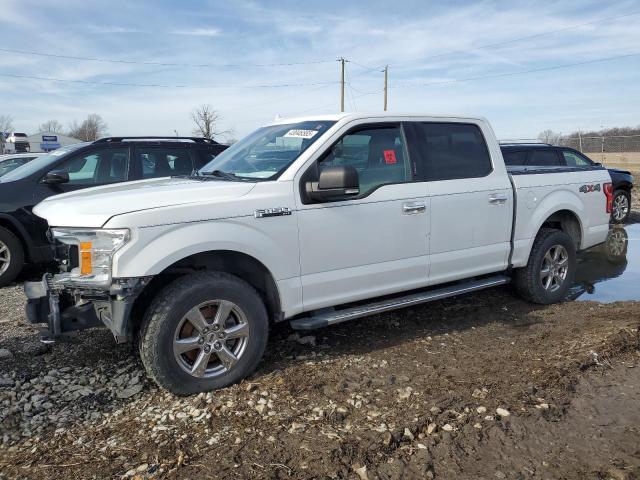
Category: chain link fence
[613,150]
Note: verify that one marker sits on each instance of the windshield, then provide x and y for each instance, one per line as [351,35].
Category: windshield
[267,152]
[9,164]
[40,162]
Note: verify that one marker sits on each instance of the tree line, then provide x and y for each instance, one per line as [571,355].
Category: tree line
[206,122]
[556,138]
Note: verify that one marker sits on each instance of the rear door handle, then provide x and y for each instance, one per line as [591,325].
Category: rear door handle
[498,199]
[410,208]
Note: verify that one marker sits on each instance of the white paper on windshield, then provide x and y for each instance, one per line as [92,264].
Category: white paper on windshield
[297,133]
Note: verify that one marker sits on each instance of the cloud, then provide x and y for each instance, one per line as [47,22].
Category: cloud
[109,29]
[197,32]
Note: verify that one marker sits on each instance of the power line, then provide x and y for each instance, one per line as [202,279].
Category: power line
[522,72]
[518,39]
[158,85]
[162,64]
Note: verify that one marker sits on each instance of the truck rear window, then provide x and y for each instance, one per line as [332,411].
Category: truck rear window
[454,150]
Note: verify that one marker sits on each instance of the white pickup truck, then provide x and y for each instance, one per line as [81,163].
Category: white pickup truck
[315,221]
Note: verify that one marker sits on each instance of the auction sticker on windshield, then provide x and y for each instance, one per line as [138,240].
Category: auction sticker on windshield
[297,133]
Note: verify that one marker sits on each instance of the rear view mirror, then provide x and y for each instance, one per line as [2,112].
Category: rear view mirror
[56,177]
[334,183]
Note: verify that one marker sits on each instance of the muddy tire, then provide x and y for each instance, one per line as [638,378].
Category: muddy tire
[551,268]
[202,332]
[621,206]
[11,257]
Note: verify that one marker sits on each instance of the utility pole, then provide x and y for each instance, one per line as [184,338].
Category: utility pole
[386,76]
[580,140]
[342,62]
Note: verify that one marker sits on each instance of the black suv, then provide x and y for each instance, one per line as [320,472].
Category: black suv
[83,165]
[537,154]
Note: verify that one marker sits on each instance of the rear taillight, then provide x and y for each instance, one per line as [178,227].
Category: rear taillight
[607,188]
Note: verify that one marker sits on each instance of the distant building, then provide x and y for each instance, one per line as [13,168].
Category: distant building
[47,141]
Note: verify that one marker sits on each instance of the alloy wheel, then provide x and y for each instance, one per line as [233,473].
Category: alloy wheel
[620,207]
[5,257]
[211,338]
[555,266]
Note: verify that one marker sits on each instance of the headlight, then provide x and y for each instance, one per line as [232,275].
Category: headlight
[95,253]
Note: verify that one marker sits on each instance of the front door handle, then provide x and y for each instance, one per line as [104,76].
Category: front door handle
[498,199]
[410,208]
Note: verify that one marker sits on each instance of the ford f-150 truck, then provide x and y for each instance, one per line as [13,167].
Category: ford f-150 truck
[314,221]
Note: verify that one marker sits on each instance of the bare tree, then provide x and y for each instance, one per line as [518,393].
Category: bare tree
[549,136]
[206,119]
[51,126]
[90,130]
[6,125]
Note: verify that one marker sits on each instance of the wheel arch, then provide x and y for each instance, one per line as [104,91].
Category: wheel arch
[566,215]
[240,264]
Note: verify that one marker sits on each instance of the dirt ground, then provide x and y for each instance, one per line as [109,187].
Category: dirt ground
[483,386]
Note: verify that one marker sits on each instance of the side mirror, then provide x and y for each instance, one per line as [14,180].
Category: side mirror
[334,183]
[56,177]
[598,164]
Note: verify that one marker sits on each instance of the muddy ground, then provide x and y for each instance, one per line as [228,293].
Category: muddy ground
[483,386]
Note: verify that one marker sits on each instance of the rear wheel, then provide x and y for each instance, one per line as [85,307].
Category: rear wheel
[11,257]
[621,207]
[549,273]
[204,331]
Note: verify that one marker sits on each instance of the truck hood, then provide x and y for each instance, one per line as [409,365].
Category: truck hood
[93,207]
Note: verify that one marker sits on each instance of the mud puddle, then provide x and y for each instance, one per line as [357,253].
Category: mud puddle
[610,272]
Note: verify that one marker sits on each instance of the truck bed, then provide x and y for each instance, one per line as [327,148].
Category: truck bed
[537,170]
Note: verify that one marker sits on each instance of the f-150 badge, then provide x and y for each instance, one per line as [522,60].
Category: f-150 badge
[590,188]
[272,212]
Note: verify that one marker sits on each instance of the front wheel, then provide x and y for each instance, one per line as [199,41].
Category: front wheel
[621,207]
[549,272]
[203,331]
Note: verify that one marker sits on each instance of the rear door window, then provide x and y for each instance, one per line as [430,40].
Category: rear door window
[514,157]
[543,157]
[163,161]
[452,150]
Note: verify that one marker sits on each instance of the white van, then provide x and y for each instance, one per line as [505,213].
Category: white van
[17,143]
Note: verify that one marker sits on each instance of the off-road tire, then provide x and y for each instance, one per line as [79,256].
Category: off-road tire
[16,261]
[527,279]
[168,308]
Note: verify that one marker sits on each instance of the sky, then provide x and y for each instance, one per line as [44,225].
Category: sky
[525,65]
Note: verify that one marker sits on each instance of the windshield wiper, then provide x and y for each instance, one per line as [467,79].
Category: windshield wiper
[220,174]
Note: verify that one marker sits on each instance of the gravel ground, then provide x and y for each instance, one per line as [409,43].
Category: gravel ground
[483,386]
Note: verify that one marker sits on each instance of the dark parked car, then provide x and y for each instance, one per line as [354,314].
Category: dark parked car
[14,160]
[536,154]
[83,165]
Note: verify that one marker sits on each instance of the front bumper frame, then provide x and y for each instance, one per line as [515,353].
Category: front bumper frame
[62,311]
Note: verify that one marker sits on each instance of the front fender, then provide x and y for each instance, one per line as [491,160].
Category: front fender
[153,249]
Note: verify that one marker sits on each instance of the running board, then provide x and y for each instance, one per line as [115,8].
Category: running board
[331,317]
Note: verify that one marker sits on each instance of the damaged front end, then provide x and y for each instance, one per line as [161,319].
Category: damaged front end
[84,294]
[69,309]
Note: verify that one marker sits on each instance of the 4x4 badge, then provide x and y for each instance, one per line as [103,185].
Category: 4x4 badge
[590,188]
[272,212]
